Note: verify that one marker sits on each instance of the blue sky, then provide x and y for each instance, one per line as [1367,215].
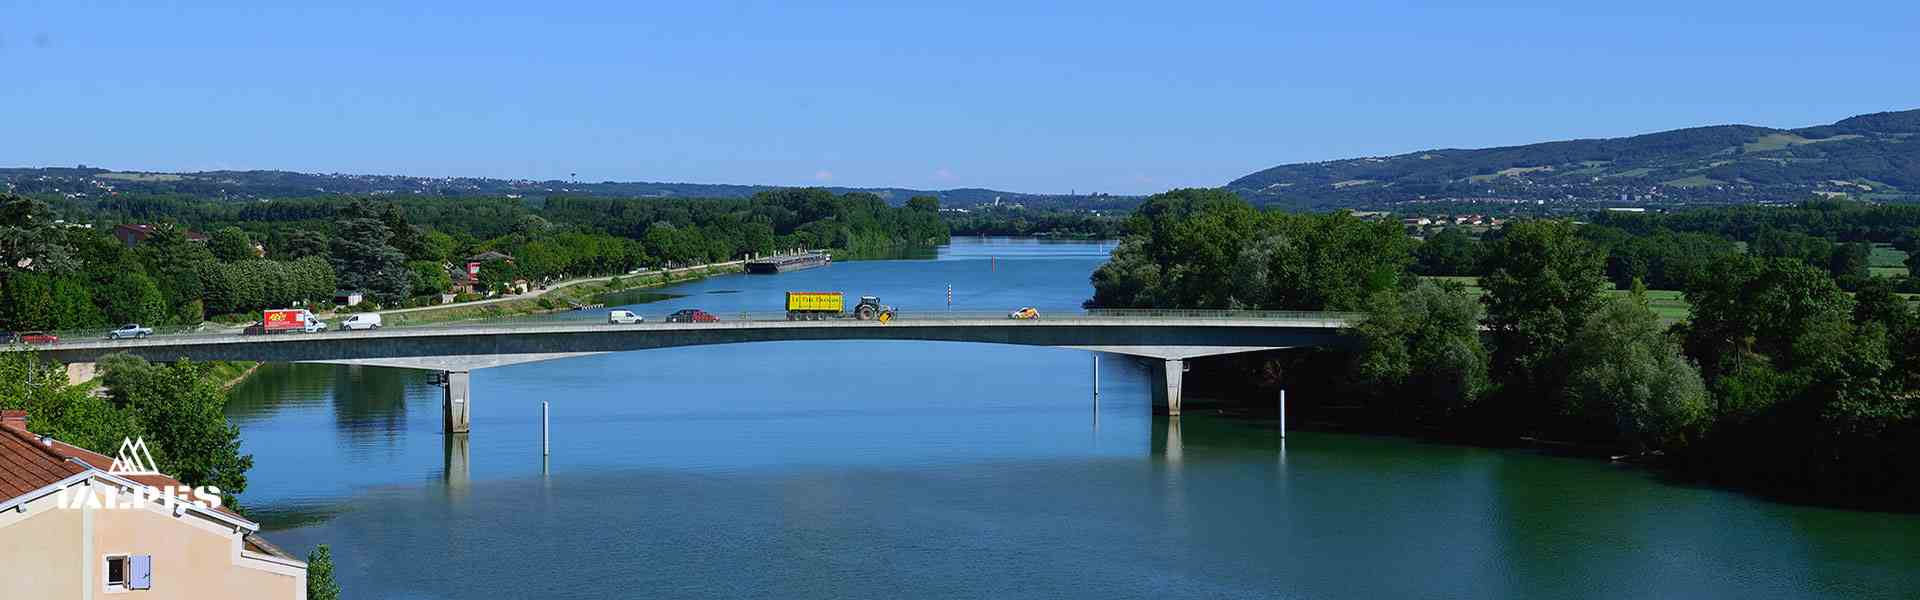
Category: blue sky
[1087,96]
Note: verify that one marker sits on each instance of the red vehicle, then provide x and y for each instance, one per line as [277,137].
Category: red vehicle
[691,315]
[281,320]
[38,337]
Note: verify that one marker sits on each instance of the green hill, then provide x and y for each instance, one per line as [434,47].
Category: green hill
[1875,156]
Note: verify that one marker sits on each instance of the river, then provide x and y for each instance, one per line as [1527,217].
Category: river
[949,470]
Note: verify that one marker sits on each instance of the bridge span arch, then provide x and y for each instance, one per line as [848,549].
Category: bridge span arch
[1170,339]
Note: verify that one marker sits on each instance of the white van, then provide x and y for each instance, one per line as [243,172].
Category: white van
[361,321]
[624,317]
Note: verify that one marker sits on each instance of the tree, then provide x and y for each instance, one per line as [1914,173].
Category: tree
[69,413]
[1630,383]
[1450,252]
[1851,260]
[29,238]
[320,583]
[174,263]
[927,204]
[1543,283]
[302,243]
[181,415]
[362,259]
[1752,307]
[231,244]
[429,277]
[26,302]
[1421,347]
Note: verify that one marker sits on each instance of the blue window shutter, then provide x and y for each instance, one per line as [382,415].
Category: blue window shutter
[140,572]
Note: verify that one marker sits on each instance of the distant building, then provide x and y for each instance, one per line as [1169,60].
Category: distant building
[132,234]
[73,524]
[464,280]
[347,298]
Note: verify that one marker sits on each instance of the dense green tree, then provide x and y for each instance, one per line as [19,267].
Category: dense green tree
[1630,383]
[69,413]
[302,243]
[363,260]
[175,265]
[1451,252]
[320,582]
[1543,283]
[1209,249]
[1422,349]
[429,277]
[1758,307]
[181,415]
[26,302]
[73,306]
[231,244]
[29,239]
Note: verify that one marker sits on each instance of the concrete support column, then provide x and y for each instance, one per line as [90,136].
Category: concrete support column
[1166,386]
[457,403]
[81,372]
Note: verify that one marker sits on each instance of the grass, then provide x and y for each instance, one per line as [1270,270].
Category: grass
[230,372]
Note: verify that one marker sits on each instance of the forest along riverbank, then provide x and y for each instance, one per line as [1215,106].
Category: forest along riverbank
[888,469]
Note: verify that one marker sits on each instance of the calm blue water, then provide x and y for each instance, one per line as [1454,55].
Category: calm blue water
[913,470]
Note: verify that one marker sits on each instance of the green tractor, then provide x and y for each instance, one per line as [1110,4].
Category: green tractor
[870,309]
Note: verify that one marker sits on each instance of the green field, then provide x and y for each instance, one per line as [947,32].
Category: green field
[1887,261]
[1671,305]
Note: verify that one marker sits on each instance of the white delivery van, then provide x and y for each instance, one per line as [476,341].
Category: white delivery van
[361,321]
[624,317]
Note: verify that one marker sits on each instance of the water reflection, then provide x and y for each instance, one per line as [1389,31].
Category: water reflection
[457,468]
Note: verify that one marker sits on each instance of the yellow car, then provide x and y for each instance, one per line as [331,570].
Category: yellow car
[1024,314]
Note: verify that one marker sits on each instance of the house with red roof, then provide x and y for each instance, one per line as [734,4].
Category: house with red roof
[77,524]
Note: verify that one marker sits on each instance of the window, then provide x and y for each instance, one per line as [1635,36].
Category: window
[116,571]
[130,572]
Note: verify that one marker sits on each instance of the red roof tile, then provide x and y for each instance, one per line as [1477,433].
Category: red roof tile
[26,465]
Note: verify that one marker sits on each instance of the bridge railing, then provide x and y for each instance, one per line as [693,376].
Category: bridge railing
[908,315]
[941,315]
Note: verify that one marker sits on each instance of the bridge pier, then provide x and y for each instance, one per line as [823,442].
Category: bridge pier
[456,402]
[1167,380]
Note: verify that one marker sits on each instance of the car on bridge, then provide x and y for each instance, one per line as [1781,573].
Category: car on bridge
[1026,313]
[130,330]
[38,337]
[691,315]
[624,317]
[361,322]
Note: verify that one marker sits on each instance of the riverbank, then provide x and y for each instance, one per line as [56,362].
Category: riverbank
[560,297]
[231,372]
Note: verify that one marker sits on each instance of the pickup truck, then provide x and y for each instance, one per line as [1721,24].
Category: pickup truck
[130,330]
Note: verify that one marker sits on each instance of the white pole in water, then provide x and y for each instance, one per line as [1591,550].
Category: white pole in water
[1096,382]
[544,449]
[1283,413]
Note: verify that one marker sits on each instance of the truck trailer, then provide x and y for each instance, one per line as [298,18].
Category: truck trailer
[815,306]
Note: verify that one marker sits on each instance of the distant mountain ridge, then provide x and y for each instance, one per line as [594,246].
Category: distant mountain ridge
[1876,156]
[247,185]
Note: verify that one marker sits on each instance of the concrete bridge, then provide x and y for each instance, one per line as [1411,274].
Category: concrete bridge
[1170,337]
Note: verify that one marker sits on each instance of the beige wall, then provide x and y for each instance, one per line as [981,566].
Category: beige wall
[193,557]
[40,551]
